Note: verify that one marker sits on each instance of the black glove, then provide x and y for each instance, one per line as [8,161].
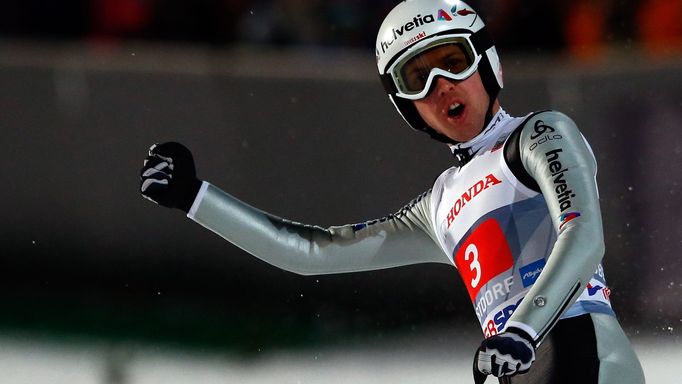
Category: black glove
[506,354]
[168,176]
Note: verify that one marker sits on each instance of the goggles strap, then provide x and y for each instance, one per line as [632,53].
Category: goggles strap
[482,41]
[388,83]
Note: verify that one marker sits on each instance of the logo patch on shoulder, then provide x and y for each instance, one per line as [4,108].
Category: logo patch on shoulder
[543,133]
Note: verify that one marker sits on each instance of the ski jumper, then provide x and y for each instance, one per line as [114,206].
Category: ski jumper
[518,216]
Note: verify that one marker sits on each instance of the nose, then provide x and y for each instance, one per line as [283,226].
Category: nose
[443,85]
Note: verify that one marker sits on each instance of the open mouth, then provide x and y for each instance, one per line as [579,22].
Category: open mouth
[455,110]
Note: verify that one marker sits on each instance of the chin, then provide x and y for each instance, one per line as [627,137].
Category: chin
[462,134]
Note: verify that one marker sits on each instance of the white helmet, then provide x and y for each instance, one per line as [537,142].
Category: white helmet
[417,26]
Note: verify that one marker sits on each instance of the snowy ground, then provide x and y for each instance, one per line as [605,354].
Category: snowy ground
[23,361]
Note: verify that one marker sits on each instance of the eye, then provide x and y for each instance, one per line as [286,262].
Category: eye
[417,79]
[452,61]
[423,75]
[454,64]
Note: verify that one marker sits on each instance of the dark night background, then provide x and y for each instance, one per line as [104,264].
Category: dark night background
[281,105]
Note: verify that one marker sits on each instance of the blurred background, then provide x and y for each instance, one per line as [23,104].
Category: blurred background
[281,104]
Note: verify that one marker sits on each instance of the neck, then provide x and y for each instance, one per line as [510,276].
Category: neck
[463,152]
[490,125]
[493,108]
[496,107]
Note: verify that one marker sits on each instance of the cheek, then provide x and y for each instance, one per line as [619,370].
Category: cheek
[481,95]
[426,110]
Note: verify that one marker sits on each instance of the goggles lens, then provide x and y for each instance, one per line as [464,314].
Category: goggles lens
[453,58]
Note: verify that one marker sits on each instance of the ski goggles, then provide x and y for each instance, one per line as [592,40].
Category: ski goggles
[451,56]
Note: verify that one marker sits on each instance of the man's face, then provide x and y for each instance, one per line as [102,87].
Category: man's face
[456,109]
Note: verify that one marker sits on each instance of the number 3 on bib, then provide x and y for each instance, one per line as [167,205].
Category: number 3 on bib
[482,256]
[474,264]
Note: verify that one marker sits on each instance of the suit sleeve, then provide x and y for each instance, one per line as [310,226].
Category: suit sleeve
[399,239]
[558,158]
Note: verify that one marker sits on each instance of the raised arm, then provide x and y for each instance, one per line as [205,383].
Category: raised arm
[399,239]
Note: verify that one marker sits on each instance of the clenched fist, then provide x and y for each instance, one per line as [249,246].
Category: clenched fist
[168,176]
